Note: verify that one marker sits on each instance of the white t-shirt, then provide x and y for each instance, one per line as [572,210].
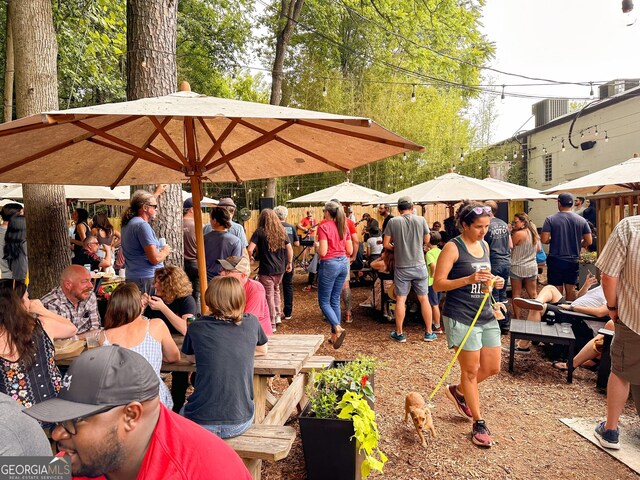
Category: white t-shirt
[594,298]
[375,248]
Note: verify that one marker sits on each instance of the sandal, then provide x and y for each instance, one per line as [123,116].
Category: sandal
[562,366]
[338,343]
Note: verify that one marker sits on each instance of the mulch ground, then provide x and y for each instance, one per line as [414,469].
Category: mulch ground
[522,410]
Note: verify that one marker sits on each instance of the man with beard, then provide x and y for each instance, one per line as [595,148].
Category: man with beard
[74,299]
[108,418]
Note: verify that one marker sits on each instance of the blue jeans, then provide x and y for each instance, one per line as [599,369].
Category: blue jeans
[225,431]
[501,271]
[331,277]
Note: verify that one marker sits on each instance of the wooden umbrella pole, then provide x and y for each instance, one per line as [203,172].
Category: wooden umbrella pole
[196,196]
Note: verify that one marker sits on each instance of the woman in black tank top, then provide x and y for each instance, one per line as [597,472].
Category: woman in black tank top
[463,271]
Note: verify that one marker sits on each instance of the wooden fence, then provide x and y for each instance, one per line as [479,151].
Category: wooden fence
[610,210]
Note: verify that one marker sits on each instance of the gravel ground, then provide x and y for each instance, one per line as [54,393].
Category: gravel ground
[522,410]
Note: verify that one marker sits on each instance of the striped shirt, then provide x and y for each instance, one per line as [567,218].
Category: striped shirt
[523,259]
[621,258]
[85,317]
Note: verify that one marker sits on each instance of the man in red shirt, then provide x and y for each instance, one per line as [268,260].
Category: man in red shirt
[110,421]
[256,299]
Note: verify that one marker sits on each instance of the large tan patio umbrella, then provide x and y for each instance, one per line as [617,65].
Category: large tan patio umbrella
[83,193]
[516,192]
[187,137]
[621,178]
[346,192]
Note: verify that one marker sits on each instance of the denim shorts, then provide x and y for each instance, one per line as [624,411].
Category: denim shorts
[407,277]
[226,430]
[487,335]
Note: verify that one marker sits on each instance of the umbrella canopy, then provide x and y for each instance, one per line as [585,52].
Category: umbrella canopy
[84,193]
[346,192]
[187,136]
[515,191]
[447,188]
[621,178]
[204,201]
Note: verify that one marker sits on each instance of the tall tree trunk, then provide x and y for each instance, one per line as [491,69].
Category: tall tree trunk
[151,72]
[288,18]
[36,81]
[8,68]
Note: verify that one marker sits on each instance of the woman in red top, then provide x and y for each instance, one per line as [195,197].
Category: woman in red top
[334,247]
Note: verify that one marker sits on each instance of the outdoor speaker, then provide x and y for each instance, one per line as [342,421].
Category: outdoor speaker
[266,202]
[587,145]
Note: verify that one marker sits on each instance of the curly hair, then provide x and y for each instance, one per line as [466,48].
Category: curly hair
[273,229]
[16,321]
[174,283]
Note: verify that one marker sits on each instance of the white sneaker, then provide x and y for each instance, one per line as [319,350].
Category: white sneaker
[278,320]
[528,303]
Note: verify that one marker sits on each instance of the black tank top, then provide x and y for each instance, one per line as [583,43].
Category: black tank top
[462,303]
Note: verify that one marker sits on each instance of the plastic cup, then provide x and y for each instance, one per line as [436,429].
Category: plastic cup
[162,241]
[565,327]
[88,267]
[121,273]
[92,337]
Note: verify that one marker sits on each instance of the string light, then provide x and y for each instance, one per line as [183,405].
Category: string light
[502,95]
[324,88]
[505,157]
[590,90]
[404,156]
[596,130]
[461,154]
[544,149]
[562,145]
[515,154]
[413,93]
[606,136]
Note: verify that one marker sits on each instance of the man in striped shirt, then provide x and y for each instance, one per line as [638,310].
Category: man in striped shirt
[620,267]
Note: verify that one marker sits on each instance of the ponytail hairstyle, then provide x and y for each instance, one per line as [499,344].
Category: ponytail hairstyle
[139,199]
[524,218]
[337,215]
[469,211]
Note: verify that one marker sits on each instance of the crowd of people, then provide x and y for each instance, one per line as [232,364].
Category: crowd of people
[476,254]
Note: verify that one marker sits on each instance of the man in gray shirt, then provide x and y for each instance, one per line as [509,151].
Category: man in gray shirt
[405,235]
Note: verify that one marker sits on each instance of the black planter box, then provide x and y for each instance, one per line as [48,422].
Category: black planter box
[329,450]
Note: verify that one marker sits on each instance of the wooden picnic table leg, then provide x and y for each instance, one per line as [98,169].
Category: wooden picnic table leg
[512,351]
[254,466]
[260,386]
[570,363]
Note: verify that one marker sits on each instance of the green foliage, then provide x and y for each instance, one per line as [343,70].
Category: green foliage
[350,382]
[354,406]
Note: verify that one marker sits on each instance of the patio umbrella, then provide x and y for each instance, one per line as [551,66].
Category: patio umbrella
[83,193]
[621,178]
[448,188]
[187,137]
[516,192]
[346,192]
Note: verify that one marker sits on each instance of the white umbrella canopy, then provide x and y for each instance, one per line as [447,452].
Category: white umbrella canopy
[621,178]
[516,192]
[83,193]
[204,201]
[447,188]
[346,192]
[187,137]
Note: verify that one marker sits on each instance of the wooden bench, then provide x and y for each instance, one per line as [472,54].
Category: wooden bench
[541,332]
[262,442]
[317,362]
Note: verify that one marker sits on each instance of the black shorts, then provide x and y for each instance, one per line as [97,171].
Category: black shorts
[561,272]
[434,297]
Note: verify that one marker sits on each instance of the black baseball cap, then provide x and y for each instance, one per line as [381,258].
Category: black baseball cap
[565,199]
[102,377]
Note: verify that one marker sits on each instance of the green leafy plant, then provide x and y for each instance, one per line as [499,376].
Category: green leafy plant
[345,392]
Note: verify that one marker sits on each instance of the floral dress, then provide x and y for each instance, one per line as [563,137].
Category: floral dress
[36,383]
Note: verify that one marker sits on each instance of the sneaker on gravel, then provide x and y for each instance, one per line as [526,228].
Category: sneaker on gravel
[608,438]
[438,330]
[458,400]
[307,288]
[528,303]
[480,434]
[287,317]
[429,337]
[348,318]
[278,320]
[398,337]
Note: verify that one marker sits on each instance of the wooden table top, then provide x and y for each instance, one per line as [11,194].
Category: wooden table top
[539,328]
[286,356]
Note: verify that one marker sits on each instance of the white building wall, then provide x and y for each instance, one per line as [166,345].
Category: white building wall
[620,121]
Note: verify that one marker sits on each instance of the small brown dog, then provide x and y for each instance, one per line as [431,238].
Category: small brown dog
[420,414]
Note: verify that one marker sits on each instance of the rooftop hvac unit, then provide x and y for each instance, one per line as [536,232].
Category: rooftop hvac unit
[615,87]
[548,109]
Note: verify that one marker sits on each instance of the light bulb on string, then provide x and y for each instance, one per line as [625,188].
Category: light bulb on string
[515,154]
[413,93]
[461,154]
[324,88]
[404,156]
[590,90]
[502,95]
[606,136]
[596,132]
[562,145]
[544,150]
[505,157]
